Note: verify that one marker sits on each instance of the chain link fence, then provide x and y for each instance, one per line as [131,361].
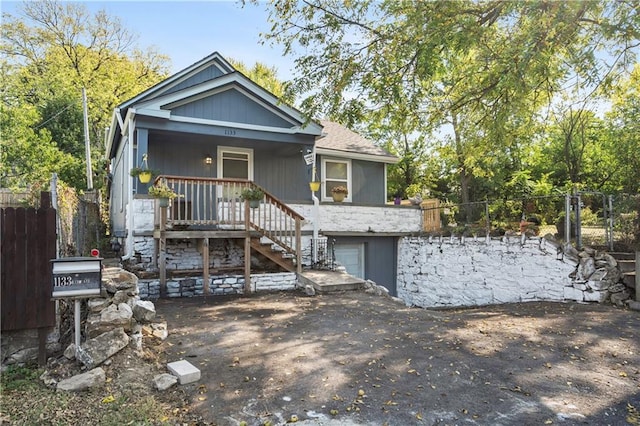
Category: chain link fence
[594,219]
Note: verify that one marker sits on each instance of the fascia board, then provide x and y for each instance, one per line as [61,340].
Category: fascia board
[236,125]
[357,156]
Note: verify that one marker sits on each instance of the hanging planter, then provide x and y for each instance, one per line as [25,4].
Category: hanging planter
[163,193]
[314,186]
[143,173]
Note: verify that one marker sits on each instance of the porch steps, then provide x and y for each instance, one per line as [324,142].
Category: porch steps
[329,281]
[628,267]
[275,254]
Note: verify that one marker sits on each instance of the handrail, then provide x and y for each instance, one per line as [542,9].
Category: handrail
[217,201]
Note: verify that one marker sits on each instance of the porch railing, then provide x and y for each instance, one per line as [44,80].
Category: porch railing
[214,202]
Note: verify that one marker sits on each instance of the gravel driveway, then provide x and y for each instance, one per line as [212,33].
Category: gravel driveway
[355,358]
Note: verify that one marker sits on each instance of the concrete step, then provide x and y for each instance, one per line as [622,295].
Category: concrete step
[629,279]
[627,265]
[619,255]
[329,281]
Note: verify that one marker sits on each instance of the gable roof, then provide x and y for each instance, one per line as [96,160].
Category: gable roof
[206,78]
[343,142]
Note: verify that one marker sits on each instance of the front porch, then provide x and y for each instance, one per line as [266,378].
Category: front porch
[194,235]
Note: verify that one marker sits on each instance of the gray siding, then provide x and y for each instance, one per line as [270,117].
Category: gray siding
[232,106]
[279,168]
[206,74]
[380,259]
[118,194]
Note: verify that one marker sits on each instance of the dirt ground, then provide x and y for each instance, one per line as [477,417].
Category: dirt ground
[355,358]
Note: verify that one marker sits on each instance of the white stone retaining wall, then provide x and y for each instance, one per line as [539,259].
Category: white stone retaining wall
[344,217]
[440,272]
[218,285]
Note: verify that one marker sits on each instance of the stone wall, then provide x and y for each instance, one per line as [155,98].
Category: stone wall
[218,285]
[439,272]
[344,217]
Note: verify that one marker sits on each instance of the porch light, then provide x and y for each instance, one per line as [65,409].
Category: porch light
[208,160]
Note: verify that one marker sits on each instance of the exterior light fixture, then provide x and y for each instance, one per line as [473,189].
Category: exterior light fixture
[208,160]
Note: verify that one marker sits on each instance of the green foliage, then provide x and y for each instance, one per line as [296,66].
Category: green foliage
[252,193]
[52,52]
[460,91]
[19,378]
[162,190]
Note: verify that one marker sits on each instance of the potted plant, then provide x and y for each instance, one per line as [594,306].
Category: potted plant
[162,191]
[253,195]
[339,192]
[143,174]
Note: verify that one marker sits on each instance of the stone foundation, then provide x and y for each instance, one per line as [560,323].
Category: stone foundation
[218,285]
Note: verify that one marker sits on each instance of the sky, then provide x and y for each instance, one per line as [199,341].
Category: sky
[187,31]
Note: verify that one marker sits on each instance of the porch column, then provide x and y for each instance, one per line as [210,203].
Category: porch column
[247,250]
[142,146]
[205,266]
[162,261]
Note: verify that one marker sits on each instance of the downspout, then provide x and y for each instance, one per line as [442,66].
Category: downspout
[130,135]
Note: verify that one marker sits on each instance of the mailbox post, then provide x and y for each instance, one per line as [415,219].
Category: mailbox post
[76,278]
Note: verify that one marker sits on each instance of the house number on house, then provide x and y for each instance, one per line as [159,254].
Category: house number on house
[229,132]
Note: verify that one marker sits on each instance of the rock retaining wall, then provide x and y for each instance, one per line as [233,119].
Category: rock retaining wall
[445,272]
[218,285]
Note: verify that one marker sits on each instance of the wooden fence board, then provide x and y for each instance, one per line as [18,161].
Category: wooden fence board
[26,248]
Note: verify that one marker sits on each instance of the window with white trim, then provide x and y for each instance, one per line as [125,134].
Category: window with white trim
[235,163]
[336,173]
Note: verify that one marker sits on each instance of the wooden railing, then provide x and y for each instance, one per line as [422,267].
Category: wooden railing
[218,202]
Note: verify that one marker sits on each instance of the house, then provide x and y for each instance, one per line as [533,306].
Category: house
[212,133]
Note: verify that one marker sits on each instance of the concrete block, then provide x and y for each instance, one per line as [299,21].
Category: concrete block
[184,371]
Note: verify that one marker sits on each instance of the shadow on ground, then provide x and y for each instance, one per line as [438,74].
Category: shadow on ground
[354,357]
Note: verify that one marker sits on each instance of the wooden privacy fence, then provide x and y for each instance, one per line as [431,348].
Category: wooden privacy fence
[27,244]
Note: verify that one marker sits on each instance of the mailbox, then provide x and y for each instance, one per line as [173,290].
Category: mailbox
[76,277]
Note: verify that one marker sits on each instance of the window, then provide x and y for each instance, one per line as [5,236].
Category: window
[336,173]
[236,163]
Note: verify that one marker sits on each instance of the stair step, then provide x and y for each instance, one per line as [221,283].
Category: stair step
[619,255]
[629,279]
[627,265]
[330,281]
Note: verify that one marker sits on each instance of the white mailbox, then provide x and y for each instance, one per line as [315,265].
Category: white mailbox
[77,277]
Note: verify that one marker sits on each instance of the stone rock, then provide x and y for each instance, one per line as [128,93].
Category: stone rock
[114,279]
[586,268]
[595,296]
[90,379]
[118,316]
[634,305]
[22,356]
[70,352]
[97,305]
[120,296]
[48,380]
[619,298]
[95,351]
[309,290]
[144,311]
[95,327]
[156,329]
[617,288]
[164,381]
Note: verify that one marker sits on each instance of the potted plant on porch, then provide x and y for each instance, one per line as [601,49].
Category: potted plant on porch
[339,192]
[253,195]
[162,191]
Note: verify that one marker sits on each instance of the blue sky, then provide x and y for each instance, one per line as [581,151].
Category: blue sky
[187,31]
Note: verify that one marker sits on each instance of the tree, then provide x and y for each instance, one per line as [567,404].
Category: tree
[624,131]
[54,50]
[481,69]
[266,77]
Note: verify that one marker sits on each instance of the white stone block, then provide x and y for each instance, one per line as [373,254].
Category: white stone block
[184,371]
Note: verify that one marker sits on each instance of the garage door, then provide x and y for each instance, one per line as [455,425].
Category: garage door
[351,256]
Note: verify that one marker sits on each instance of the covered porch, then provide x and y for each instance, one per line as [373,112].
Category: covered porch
[213,208]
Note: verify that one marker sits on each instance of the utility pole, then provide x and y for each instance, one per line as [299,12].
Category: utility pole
[87,146]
